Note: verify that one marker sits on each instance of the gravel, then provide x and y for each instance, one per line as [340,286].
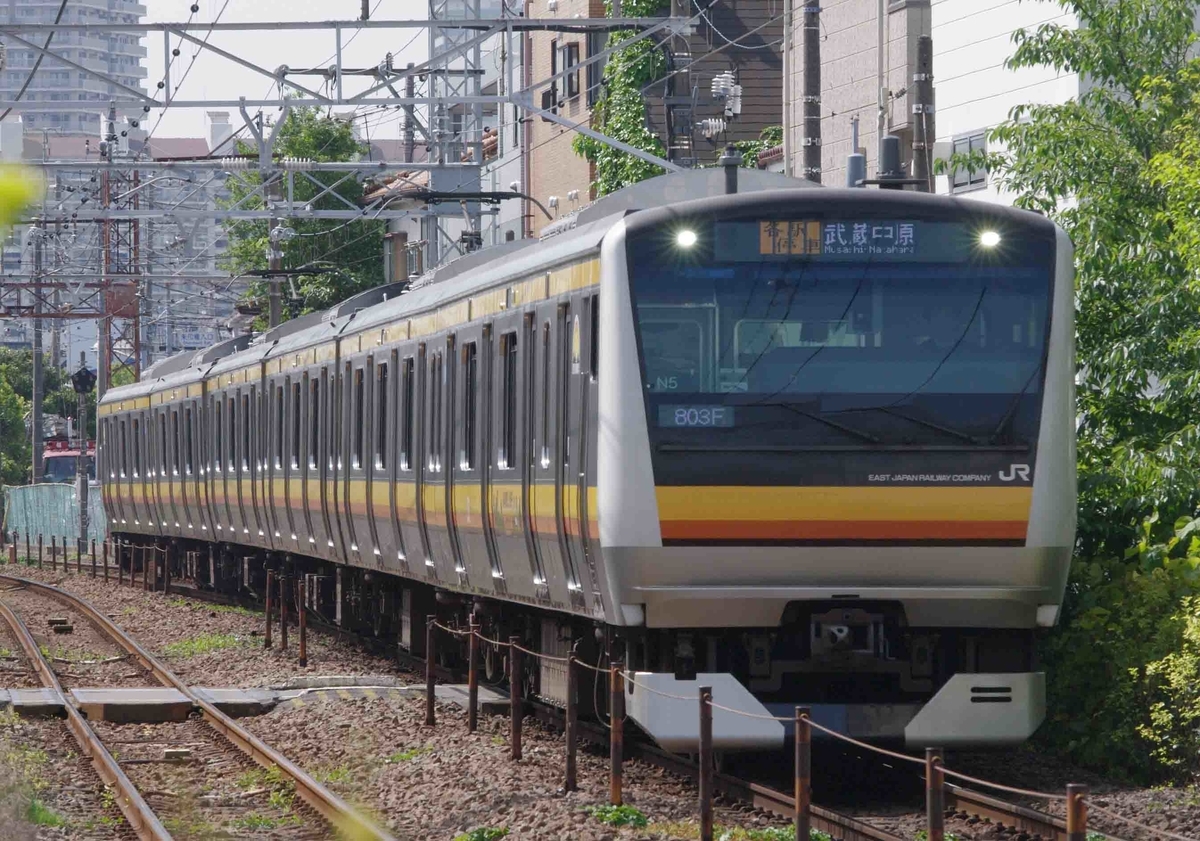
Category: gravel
[453,782]
[437,782]
[213,645]
[86,656]
[40,759]
[216,791]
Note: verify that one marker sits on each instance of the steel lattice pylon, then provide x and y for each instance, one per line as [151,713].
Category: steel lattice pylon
[120,332]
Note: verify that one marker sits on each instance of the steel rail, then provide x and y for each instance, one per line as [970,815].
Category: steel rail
[343,817]
[1021,818]
[135,809]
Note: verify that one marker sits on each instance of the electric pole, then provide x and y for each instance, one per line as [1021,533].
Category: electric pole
[35,413]
[812,92]
[274,253]
[924,133]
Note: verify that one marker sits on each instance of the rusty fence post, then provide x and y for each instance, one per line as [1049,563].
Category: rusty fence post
[283,613]
[12,553]
[803,786]
[472,677]
[104,557]
[146,568]
[92,556]
[935,800]
[270,586]
[40,545]
[616,714]
[54,555]
[430,719]
[120,567]
[168,556]
[301,614]
[1076,812]
[706,764]
[516,709]
[28,551]
[78,556]
[572,724]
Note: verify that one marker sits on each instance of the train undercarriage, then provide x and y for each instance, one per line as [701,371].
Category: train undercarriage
[859,667]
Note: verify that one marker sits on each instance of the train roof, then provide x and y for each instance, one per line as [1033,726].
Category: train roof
[577,233]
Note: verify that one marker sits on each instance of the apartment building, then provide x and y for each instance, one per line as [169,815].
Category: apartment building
[117,55]
[738,37]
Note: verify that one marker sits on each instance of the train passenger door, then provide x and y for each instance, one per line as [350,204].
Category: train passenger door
[177,470]
[483,405]
[293,464]
[422,454]
[353,482]
[393,462]
[407,486]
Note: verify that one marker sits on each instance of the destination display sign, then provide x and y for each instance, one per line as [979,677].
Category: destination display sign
[848,240]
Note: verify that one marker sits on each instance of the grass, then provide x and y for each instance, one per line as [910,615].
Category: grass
[618,815]
[482,833]
[202,644]
[254,821]
[189,826]
[39,814]
[340,774]
[211,608]
[922,835]
[406,755]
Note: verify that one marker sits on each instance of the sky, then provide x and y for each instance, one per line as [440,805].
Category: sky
[215,77]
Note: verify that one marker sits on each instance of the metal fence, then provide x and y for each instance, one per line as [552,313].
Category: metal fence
[52,509]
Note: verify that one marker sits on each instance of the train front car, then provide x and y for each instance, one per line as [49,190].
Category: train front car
[836,454]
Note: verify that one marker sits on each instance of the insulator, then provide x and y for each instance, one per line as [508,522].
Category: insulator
[297,164]
[712,126]
[235,164]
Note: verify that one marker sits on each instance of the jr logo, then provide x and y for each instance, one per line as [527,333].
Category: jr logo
[1014,472]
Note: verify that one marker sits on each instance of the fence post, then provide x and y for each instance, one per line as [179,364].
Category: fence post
[935,803]
[616,712]
[168,555]
[283,613]
[145,569]
[516,708]
[706,765]
[28,551]
[12,553]
[78,556]
[302,611]
[803,789]
[54,555]
[472,676]
[430,719]
[571,783]
[104,558]
[92,555]
[270,587]
[120,566]
[40,544]
[1076,812]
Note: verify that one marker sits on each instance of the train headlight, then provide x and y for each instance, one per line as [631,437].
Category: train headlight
[685,238]
[989,239]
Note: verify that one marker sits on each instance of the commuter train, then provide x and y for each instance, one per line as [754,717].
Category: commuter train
[813,445]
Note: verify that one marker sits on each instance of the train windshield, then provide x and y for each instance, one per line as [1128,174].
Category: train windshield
[863,333]
[63,468]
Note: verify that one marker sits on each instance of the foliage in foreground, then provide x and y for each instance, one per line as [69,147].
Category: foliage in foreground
[1116,167]
[624,815]
[483,833]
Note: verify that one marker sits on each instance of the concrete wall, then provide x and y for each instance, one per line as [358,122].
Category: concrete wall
[972,39]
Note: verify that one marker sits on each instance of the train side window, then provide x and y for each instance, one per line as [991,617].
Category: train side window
[594,338]
[232,437]
[295,425]
[314,424]
[162,440]
[381,414]
[408,374]
[218,449]
[245,432]
[435,411]
[175,442]
[279,427]
[188,447]
[508,392]
[546,400]
[359,420]
[124,451]
[470,400]
[137,448]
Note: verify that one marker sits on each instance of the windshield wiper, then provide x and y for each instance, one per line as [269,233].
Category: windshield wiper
[841,427]
[937,427]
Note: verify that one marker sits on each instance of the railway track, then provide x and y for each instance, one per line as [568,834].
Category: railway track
[223,733]
[961,803]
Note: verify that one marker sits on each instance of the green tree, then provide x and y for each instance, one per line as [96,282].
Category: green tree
[1113,167]
[353,251]
[14,445]
[620,111]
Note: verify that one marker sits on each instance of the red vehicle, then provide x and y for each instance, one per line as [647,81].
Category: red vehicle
[60,460]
